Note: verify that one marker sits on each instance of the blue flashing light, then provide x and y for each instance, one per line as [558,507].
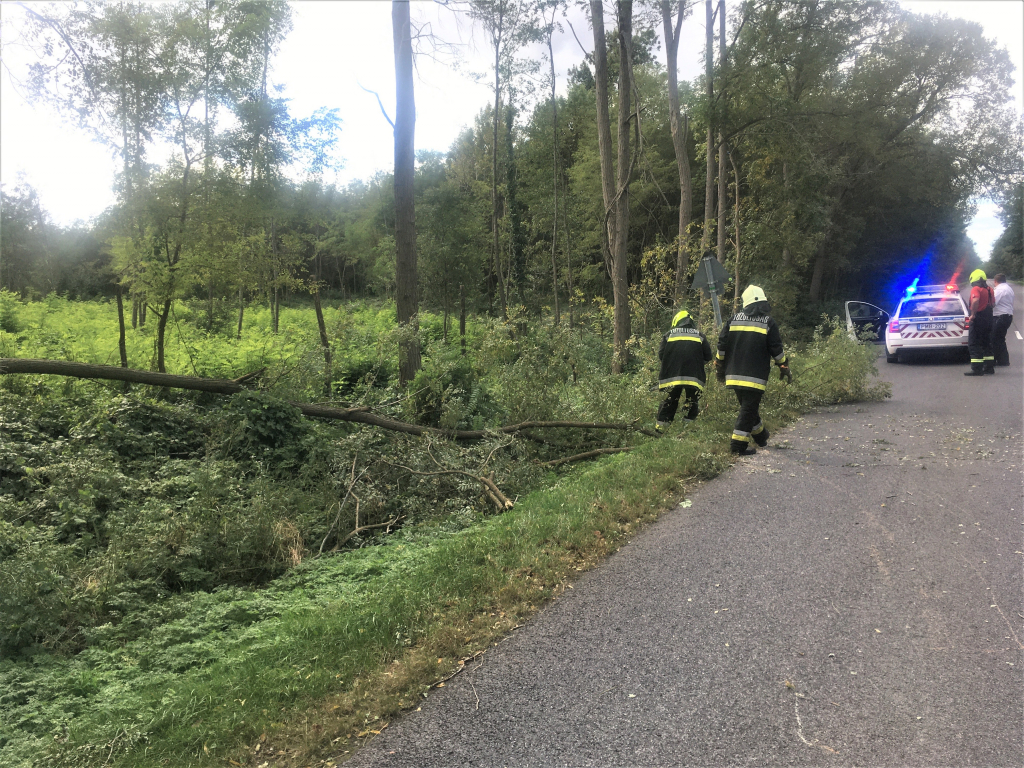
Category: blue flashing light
[912,289]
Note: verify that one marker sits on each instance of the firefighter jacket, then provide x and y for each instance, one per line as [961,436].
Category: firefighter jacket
[684,351]
[746,347]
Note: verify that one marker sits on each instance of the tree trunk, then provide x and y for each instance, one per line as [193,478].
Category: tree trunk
[722,175]
[604,130]
[241,310]
[161,329]
[615,186]
[554,174]
[324,342]
[135,312]
[679,125]
[275,308]
[359,414]
[736,228]
[620,282]
[709,179]
[494,169]
[406,281]
[568,257]
[462,317]
[121,346]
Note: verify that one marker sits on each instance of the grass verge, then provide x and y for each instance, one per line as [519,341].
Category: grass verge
[302,671]
[308,686]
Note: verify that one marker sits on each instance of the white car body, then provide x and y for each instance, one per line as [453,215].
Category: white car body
[934,317]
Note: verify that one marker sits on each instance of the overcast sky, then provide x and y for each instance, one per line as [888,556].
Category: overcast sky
[337,46]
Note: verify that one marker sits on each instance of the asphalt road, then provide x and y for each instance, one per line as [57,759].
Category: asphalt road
[851,596]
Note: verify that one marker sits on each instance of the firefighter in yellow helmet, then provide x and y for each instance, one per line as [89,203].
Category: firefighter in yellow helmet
[684,351]
[979,332]
[748,343]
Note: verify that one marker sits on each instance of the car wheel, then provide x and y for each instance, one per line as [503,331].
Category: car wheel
[893,358]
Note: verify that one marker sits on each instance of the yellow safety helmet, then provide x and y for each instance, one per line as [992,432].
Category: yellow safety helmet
[978,274]
[753,294]
[680,315]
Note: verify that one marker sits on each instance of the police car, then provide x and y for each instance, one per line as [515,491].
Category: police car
[929,317]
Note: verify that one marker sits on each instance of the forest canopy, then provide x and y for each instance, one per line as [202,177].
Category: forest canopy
[847,140]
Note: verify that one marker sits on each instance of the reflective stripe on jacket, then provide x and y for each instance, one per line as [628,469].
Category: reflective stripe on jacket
[746,347]
[684,351]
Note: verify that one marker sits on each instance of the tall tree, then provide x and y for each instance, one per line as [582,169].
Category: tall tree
[508,23]
[615,179]
[679,124]
[709,95]
[549,30]
[406,281]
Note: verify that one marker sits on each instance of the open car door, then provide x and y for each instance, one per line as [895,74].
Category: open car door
[866,322]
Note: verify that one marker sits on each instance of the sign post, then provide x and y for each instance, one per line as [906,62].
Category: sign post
[709,276]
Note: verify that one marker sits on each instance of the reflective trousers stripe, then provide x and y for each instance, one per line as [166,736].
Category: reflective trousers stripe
[751,383]
[688,381]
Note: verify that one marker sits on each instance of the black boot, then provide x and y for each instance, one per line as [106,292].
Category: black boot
[761,438]
[973,372]
[742,448]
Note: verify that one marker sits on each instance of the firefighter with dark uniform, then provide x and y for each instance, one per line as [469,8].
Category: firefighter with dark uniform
[683,353]
[979,332]
[748,343]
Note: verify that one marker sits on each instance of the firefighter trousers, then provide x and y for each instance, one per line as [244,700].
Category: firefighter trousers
[669,406]
[979,341]
[748,420]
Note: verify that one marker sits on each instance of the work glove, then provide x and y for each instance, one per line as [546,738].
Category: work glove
[784,373]
[720,371]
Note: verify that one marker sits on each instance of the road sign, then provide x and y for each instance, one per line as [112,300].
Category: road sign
[711,276]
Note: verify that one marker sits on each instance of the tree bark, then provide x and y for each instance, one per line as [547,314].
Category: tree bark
[554,173]
[722,175]
[121,347]
[620,282]
[241,311]
[498,30]
[462,317]
[324,342]
[604,130]
[161,329]
[359,414]
[406,282]
[709,179]
[679,125]
[736,228]
[615,183]
[275,307]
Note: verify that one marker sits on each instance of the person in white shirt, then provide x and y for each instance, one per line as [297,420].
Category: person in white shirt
[1002,316]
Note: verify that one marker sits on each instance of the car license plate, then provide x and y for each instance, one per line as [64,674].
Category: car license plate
[931,326]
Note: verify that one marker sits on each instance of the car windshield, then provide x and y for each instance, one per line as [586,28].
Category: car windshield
[940,305]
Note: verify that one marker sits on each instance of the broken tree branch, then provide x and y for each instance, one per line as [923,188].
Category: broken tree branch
[352,484]
[359,414]
[499,499]
[581,456]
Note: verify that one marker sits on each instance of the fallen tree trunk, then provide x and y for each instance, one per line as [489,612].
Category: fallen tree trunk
[359,414]
[134,375]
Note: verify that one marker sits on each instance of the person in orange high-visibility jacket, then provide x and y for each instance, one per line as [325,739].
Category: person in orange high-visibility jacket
[684,351]
[979,332]
[748,343]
